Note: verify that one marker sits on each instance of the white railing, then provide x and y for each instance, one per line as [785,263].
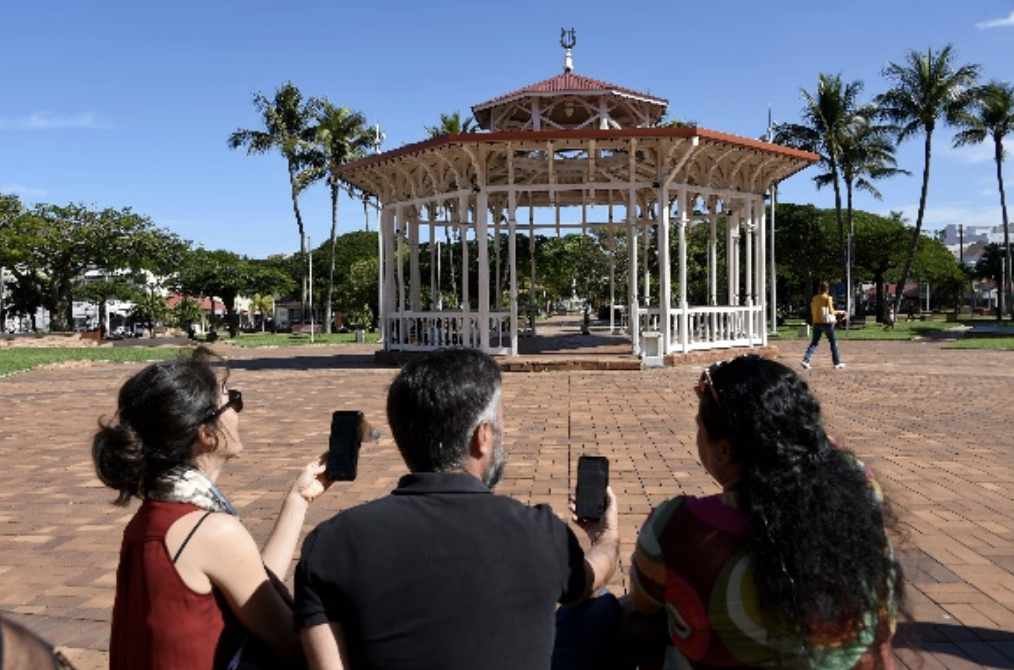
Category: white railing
[426,331]
[708,327]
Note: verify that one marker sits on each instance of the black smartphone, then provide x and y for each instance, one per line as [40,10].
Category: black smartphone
[592,480]
[343,447]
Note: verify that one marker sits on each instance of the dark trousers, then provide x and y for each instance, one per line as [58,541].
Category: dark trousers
[818,329]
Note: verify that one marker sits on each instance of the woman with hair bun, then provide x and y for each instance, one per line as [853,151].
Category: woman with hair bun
[790,566]
[190,573]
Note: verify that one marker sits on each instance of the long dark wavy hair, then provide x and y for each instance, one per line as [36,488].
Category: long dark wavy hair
[822,558]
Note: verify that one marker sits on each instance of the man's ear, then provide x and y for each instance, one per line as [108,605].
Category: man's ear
[481,443]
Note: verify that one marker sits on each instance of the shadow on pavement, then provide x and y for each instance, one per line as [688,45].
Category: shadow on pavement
[987,647]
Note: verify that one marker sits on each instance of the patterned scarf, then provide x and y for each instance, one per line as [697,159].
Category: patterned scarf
[187,484]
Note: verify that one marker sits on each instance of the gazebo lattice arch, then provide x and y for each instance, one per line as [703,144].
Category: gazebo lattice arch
[661,177]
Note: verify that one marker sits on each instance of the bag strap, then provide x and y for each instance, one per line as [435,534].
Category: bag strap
[190,535]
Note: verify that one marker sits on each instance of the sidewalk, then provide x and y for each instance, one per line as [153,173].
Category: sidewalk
[933,423]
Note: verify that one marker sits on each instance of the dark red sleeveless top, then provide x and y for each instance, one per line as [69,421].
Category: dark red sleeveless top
[158,621]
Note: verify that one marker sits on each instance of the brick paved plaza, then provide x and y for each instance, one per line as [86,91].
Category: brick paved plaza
[933,423]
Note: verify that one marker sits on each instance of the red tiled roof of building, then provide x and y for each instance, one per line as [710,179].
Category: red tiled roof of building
[569,82]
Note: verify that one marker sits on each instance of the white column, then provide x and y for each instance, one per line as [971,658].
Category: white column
[434,265]
[482,237]
[389,306]
[761,275]
[664,270]
[632,316]
[612,269]
[399,224]
[414,279]
[713,252]
[685,207]
[645,241]
[730,253]
[512,259]
[466,325]
[532,298]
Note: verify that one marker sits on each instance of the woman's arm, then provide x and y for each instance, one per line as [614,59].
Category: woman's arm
[226,552]
[281,545]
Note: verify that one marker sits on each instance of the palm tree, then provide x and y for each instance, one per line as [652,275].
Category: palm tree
[927,87]
[867,154]
[993,117]
[264,303]
[452,125]
[827,116]
[288,128]
[342,136]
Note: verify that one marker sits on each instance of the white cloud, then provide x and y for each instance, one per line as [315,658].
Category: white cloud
[973,154]
[996,23]
[50,121]
[21,190]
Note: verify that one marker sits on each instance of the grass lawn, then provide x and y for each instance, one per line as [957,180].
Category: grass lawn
[290,340]
[904,330]
[16,359]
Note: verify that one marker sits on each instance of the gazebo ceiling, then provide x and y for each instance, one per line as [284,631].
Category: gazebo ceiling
[570,167]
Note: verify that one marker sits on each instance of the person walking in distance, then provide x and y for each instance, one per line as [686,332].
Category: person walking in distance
[824,318]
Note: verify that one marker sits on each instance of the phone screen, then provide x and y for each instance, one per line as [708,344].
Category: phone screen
[592,480]
[343,447]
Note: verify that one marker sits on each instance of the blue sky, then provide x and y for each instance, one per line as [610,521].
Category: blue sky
[129,104]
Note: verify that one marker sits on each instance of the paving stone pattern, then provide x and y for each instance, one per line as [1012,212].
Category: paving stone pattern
[933,423]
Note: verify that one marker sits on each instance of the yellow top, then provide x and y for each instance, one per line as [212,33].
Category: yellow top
[820,301]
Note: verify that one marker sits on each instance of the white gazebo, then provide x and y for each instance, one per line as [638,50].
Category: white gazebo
[573,153]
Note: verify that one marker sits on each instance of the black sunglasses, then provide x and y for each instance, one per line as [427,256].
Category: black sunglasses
[235,401]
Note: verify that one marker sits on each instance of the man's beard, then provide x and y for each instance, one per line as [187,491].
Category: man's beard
[494,469]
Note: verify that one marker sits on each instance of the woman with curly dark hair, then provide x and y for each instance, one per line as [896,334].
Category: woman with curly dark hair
[192,589]
[790,566]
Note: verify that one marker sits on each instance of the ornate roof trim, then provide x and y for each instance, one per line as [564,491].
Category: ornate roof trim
[570,82]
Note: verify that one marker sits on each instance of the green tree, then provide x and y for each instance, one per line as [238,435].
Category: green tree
[827,116]
[289,128]
[867,155]
[924,89]
[880,251]
[342,137]
[222,274]
[61,243]
[992,116]
[452,124]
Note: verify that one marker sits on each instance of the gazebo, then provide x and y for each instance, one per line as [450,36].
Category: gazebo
[572,153]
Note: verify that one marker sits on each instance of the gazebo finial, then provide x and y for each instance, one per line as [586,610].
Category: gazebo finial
[567,41]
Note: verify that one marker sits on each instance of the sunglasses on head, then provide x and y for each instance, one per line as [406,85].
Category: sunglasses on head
[235,401]
[707,382]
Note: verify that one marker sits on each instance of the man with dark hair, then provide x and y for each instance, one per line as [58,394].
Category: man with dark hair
[442,573]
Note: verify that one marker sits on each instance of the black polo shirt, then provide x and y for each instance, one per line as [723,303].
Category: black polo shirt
[441,574]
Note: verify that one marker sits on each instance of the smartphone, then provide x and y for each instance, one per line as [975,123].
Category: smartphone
[592,480]
[343,446]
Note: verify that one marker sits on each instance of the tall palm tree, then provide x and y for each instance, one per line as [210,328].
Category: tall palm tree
[342,137]
[289,129]
[992,116]
[826,117]
[867,155]
[924,89]
[452,125]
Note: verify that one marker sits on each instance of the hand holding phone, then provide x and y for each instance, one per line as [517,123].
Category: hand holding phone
[592,481]
[348,430]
